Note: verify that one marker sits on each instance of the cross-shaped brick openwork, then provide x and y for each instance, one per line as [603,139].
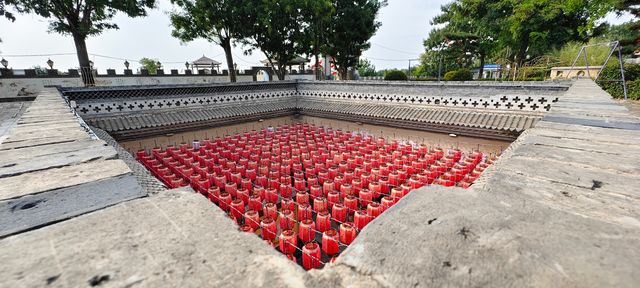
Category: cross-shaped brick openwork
[131,106]
[504,99]
[497,105]
[517,99]
[521,106]
[84,110]
[528,100]
[509,105]
[542,100]
[535,106]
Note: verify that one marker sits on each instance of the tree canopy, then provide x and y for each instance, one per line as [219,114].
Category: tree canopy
[151,65]
[81,18]
[516,31]
[4,13]
[278,31]
[366,68]
[352,25]
[219,21]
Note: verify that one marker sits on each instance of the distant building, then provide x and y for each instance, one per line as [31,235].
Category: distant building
[489,71]
[205,63]
[298,61]
[577,71]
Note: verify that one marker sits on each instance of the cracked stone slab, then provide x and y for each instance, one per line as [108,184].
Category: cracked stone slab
[55,178]
[185,242]
[53,170]
[459,238]
[35,210]
[594,122]
[38,163]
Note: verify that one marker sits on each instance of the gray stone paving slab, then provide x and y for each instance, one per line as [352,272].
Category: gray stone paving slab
[35,210]
[184,243]
[66,176]
[51,170]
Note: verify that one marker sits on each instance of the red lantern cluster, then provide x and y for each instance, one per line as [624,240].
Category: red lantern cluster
[308,191]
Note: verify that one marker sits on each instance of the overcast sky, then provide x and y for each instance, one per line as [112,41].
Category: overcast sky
[405,23]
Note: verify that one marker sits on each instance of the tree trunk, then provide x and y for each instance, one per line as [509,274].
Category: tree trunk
[481,70]
[522,51]
[316,72]
[83,59]
[344,73]
[226,46]
[282,72]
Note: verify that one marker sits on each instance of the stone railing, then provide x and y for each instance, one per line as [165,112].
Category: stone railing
[494,111]
[27,82]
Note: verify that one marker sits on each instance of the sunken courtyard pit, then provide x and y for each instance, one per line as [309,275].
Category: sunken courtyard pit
[510,184]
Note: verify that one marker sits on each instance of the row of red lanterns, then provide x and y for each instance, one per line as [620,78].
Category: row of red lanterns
[295,175]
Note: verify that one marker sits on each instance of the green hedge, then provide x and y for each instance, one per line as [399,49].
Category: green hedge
[632,76]
[395,75]
[458,75]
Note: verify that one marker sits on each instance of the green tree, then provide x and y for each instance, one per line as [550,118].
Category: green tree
[366,68]
[627,33]
[81,19]
[515,30]
[395,75]
[278,30]
[352,25]
[151,65]
[4,13]
[316,15]
[219,21]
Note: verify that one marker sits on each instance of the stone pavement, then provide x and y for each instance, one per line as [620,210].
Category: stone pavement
[559,208]
[9,114]
[52,168]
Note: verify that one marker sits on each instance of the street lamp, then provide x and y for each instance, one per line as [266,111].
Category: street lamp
[235,66]
[158,64]
[126,64]
[50,63]
[186,64]
[90,64]
[4,63]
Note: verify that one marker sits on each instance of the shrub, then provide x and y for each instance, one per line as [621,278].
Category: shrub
[633,89]
[458,75]
[611,73]
[424,79]
[395,75]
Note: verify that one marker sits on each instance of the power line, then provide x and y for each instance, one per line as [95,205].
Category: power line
[393,49]
[392,60]
[38,55]
[245,61]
